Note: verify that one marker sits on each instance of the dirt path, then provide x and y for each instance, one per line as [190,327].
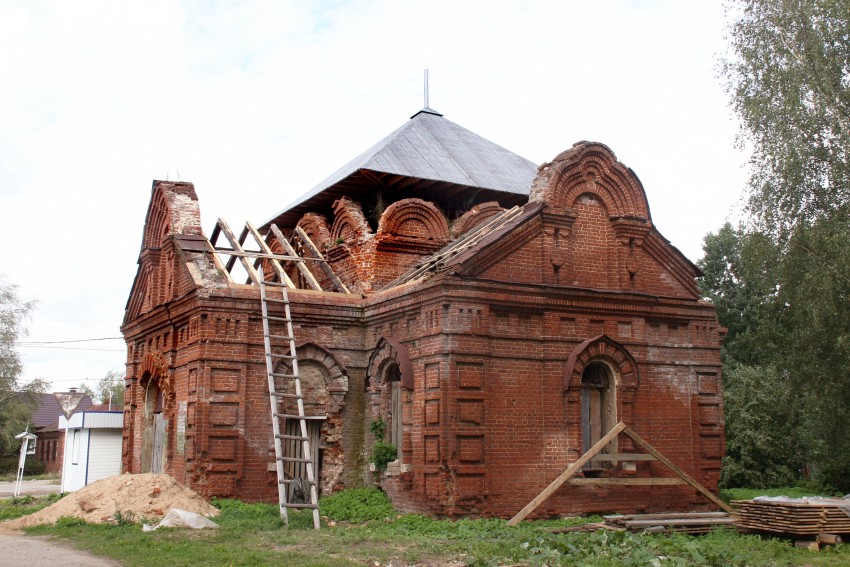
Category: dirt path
[29,551]
[31,487]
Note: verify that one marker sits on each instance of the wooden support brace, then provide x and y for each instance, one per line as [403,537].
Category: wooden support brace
[673,467]
[567,474]
[592,453]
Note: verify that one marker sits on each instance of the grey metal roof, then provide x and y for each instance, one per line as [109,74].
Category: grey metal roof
[432,148]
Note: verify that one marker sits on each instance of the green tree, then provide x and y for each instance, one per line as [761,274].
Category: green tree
[109,388]
[788,75]
[17,401]
[112,385]
[740,279]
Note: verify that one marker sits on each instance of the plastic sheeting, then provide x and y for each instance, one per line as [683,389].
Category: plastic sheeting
[177,518]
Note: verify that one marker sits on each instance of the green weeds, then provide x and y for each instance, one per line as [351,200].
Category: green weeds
[253,534]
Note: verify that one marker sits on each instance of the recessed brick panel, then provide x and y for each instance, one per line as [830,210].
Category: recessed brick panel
[223,448]
[470,376]
[432,375]
[432,412]
[224,380]
[470,412]
[224,414]
[471,448]
[432,449]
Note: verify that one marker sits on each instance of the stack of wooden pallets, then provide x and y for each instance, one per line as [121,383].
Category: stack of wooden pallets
[795,517]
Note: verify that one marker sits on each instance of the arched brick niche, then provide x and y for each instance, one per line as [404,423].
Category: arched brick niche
[324,383]
[476,216]
[389,388]
[623,375]
[350,224]
[591,168]
[601,347]
[414,218]
[316,227]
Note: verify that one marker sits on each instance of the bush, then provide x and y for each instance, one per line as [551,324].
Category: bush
[382,454]
[357,505]
[9,465]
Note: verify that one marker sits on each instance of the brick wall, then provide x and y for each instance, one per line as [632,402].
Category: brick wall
[491,353]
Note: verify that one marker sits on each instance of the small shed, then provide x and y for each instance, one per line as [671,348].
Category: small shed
[92,447]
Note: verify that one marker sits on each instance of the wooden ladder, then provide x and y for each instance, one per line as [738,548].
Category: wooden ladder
[279,342]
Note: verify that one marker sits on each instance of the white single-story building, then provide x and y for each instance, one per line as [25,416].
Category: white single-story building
[92,447]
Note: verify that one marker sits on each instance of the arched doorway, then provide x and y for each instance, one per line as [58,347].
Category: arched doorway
[155,423]
[598,406]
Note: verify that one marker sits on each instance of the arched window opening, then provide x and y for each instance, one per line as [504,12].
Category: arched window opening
[598,409]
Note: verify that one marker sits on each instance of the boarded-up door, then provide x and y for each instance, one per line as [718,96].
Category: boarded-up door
[158,454]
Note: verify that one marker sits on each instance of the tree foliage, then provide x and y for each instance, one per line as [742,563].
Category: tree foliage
[110,387]
[783,287]
[788,74]
[17,401]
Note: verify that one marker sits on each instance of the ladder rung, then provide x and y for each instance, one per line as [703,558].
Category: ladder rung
[273,284]
[294,460]
[292,437]
[287,337]
[274,300]
[289,416]
[302,480]
[289,356]
[281,319]
[282,375]
[284,395]
[288,505]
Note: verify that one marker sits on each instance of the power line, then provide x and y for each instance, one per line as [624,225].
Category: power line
[70,341]
[74,348]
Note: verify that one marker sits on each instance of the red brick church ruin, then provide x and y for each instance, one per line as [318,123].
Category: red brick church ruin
[498,318]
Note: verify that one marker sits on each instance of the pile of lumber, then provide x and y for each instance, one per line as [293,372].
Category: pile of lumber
[800,517]
[682,522]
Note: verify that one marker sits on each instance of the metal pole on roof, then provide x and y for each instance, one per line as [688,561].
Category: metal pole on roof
[426,88]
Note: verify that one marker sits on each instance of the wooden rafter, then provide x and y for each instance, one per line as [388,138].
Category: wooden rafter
[236,251]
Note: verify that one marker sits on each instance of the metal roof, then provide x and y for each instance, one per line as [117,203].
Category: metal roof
[431,148]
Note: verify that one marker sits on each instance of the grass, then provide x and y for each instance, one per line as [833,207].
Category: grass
[252,534]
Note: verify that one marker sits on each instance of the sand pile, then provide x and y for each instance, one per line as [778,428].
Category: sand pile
[137,496]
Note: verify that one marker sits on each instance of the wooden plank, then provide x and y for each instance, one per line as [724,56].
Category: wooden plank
[302,267]
[567,474]
[252,273]
[324,264]
[679,522]
[673,467]
[628,457]
[628,481]
[281,274]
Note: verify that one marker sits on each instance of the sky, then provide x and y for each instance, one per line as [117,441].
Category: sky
[257,101]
